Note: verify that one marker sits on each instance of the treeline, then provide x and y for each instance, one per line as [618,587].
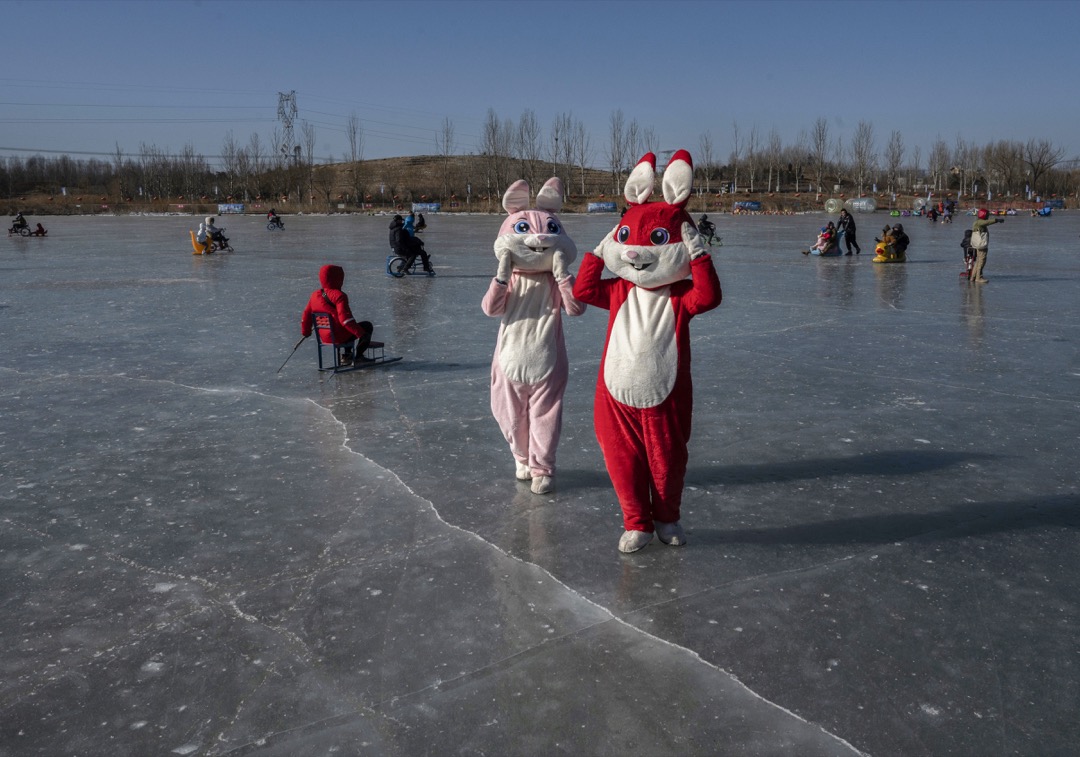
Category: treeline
[818,161]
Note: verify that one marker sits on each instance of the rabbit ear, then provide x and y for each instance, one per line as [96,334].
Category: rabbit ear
[639,184]
[549,197]
[516,197]
[679,178]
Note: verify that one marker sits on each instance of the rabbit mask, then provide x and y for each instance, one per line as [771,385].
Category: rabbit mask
[533,236]
[654,242]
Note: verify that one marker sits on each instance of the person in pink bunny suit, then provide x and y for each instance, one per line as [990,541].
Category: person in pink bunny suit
[644,397]
[531,288]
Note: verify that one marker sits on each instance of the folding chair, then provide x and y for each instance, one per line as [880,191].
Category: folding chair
[324,339]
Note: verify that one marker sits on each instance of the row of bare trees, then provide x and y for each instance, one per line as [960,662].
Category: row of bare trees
[816,161]
[821,161]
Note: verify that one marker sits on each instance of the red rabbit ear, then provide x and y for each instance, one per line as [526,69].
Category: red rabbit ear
[639,184]
[679,178]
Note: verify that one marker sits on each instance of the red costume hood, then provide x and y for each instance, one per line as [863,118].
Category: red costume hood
[331,276]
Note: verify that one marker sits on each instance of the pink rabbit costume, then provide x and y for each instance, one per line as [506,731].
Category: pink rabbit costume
[644,397]
[529,371]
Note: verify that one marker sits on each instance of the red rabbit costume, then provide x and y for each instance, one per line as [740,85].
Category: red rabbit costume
[644,395]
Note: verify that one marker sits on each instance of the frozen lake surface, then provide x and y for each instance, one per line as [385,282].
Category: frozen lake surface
[203,556]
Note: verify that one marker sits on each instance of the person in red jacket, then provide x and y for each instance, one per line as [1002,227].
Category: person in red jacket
[349,334]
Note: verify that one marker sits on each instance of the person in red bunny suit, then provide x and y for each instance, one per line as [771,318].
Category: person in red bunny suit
[644,395]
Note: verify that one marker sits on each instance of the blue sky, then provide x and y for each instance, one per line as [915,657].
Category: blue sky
[90,75]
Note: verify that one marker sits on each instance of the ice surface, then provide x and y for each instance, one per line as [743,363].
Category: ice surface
[201,555]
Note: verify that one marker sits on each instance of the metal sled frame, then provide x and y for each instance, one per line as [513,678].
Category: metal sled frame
[374,353]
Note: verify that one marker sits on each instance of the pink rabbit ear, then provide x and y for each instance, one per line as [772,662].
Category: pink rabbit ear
[639,184]
[549,197]
[516,197]
[679,178]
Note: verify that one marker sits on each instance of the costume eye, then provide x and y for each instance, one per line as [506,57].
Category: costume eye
[659,236]
[623,234]
[552,227]
[521,227]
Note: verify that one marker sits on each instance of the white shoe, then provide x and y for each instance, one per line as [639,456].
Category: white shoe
[522,472]
[671,533]
[632,541]
[542,484]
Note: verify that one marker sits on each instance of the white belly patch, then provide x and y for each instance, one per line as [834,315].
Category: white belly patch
[642,356]
[527,349]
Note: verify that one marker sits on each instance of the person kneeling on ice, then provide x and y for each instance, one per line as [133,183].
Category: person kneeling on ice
[350,336]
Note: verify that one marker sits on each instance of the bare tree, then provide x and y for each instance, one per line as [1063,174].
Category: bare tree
[230,156]
[839,163]
[528,145]
[633,142]
[863,155]
[706,157]
[970,164]
[616,149]
[650,140]
[324,180]
[560,146]
[444,146]
[774,151]
[495,146]
[582,151]
[753,154]
[894,158]
[1041,156]
[916,165]
[819,150]
[960,161]
[1005,165]
[799,157]
[736,154]
[307,158]
[939,162]
[354,132]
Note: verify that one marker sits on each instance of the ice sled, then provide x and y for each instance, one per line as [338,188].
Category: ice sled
[884,253]
[374,355]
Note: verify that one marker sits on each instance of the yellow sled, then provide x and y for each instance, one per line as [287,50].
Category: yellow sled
[200,249]
[884,253]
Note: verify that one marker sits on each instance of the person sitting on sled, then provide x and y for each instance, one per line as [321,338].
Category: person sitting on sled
[215,233]
[39,231]
[826,239]
[900,240]
[350,336]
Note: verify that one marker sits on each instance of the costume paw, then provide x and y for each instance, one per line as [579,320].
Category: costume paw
[671,533]
[522,472]
[542,484]
[632,541]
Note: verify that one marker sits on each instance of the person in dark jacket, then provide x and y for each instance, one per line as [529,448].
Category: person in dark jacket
[900,240]
[846,226]
[406,245]
[349,335]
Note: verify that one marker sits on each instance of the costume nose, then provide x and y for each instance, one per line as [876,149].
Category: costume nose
[632,254]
